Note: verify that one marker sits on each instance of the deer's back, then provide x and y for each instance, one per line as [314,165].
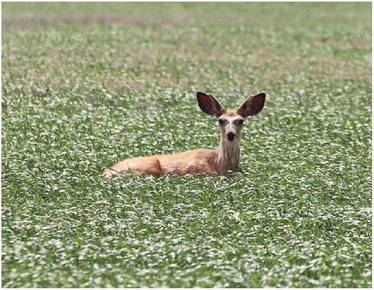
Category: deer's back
[189,162]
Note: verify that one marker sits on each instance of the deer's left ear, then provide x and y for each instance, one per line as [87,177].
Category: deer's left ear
[210,105]
[252,105]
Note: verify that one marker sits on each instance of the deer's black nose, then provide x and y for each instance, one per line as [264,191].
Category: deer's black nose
[231,136]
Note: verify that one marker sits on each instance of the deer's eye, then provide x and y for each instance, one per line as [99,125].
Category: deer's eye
[241,122]
[221,121]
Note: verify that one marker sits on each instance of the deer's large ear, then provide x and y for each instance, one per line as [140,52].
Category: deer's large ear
[210,105]
[251,105]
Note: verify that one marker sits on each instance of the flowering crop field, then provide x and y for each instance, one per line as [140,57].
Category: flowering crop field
[85,85]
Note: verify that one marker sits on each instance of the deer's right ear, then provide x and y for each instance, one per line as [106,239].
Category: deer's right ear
[210,105]
[251,105]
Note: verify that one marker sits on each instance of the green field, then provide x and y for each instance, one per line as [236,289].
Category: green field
[85,85]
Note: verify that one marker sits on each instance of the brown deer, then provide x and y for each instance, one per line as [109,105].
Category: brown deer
[207,161]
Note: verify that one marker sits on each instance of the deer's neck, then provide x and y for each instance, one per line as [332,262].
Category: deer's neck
[228,156]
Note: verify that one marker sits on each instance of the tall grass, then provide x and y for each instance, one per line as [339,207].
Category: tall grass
[88,84]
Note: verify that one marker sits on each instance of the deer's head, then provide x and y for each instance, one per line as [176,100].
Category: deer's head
[231,121]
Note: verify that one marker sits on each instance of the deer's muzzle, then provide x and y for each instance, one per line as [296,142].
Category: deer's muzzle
[231,136]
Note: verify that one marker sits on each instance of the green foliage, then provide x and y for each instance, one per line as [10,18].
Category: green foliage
[86,85]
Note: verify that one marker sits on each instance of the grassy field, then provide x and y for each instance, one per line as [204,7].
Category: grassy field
[86,85]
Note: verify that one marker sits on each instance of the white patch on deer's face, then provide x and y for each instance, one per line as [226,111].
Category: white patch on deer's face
[230,125]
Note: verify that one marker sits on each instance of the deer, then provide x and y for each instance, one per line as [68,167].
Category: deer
[216,162]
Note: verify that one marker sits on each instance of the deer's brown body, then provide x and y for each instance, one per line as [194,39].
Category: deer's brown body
[207,161]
